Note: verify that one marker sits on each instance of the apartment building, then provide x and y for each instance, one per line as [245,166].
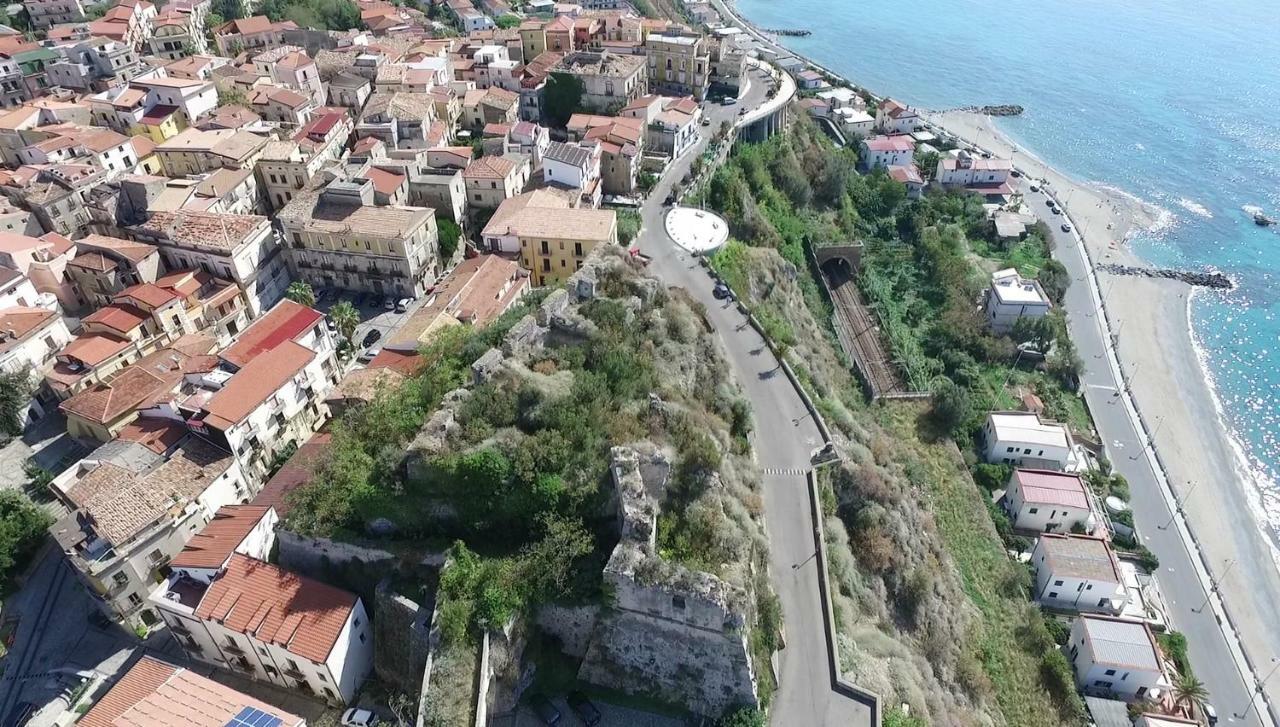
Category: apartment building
[251,35]
[492,180]
[284,367]
[240,248]
[621,140]
[679,64]
[48,13]
[609,80]
[551,238]
[267,624]
[103,266]
[134,505]
[195,151]
[285,170]
[339,238]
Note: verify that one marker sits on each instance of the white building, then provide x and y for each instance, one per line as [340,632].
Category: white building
[887,151]
[965,170]
[133,508]
[1115,656]
[285,369]
[1011,297]
[1046,501]
[1078,573]
[854,122]
[192,96]
[1022,440]
[241,248]
[893,117]
[575,166]
[267,624]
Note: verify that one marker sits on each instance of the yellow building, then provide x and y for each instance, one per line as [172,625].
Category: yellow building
[552,238]
[161,123]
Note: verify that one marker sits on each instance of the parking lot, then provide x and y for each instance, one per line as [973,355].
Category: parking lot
[373,312]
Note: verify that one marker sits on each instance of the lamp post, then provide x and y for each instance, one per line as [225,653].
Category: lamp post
[1177,505]
[1257,689]
[1213,586]
[1151,440]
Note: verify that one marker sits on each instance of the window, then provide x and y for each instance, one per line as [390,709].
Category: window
[1033,510]
[546,265]
[321,676]
[362,637]
[135,599]
[1008,449]
[1053,594]
[120,578]
[1027,450]
[1057,583]
[1110,672]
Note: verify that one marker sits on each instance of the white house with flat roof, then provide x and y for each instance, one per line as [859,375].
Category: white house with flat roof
[1021,439]
[1047,501]
[1078,573]
[887,151]
[1012,297]
[1115,656]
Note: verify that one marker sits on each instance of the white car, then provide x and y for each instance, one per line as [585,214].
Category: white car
[359,718]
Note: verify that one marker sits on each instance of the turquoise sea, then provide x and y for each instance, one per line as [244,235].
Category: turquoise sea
[1174,101]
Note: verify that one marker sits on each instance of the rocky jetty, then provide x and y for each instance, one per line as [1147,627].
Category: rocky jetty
[1001,110]
[1201,279]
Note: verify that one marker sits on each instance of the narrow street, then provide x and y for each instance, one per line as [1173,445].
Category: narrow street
[784,438]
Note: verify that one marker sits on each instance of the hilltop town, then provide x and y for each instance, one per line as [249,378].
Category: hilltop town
[354,371]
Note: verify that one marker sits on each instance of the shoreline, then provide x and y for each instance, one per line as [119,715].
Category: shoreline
[1176,388]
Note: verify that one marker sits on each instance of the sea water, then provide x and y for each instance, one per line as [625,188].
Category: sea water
[1174,101]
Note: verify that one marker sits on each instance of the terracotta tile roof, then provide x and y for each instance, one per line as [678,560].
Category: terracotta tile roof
[298,614]
[131,250]
[491,167]
[383,181]
[201,230]
[285,322]
[1052,488]
[148,294]
[94,348]
[133,388]
[219,538]
[120,317]
[282,96]
[157,434]
[364,384]
[295,473]
[478,290]
[296,59]
[121,504]
[156,694]
[94,261]
[255,24]
[257,381]
[23,322]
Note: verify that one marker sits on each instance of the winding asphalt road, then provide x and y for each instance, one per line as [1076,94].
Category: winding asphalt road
[784,438]
[1180,576]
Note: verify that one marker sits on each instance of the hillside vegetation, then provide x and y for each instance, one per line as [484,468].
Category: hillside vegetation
[930,609]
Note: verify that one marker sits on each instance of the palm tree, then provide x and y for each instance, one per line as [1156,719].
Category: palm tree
[345,318]
[301,293]
[1189,692]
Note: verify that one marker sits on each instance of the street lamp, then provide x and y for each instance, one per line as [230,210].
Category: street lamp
[1151,440]
[1257,689]
[1177,505]
[1213,585]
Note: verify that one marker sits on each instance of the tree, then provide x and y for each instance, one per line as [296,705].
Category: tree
[743,717]
[1189,691]
[231,97]
[562,97]
[1039,331]
[1054,278]
[345,318]
[15,393]
[449,233]
[228,9]
[507,21]
[628,226]
[23,527]
[950,405]
[301,293]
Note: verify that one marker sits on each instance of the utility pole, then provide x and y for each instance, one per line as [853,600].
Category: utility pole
[1177,505]
[1213,586]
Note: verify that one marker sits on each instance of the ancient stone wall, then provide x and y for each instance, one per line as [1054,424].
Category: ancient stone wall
[401,636]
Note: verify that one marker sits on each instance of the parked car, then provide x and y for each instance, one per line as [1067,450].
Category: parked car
[1015,174]
[706,121]
[729,101]
[721,291]
[585,710]
[545,710]
[402,305]
[1066,227]
[369,354]
[1210,714]
[328,323]
[359,718]
[389,303]
[371,338]
[1056,210]
[1035,188]
[1050,203]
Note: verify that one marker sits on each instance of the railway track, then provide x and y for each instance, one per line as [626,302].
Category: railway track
[860,335]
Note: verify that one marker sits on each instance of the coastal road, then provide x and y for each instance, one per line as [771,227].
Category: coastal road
[785,437]
[1211,649]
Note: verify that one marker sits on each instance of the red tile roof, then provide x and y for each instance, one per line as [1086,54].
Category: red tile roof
[157,434]
[285,322]
[220,537]
[295,473]
[256,381]
[147,293]
[1052,488]
[385,182]
[276,607]
[120,317]
[22,321]
[94,348]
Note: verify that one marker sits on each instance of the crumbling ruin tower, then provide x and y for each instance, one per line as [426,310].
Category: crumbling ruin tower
[671,632]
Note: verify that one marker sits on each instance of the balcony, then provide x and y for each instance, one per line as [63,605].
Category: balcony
[293,673]
[233,648]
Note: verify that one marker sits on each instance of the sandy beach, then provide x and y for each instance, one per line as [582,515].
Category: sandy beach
[1170,389]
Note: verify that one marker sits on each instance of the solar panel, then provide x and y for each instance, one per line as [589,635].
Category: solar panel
[252,717]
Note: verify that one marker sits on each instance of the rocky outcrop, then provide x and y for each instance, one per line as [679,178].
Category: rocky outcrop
[1209,279]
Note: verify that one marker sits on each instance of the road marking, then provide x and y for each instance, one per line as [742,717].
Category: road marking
[785,470]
